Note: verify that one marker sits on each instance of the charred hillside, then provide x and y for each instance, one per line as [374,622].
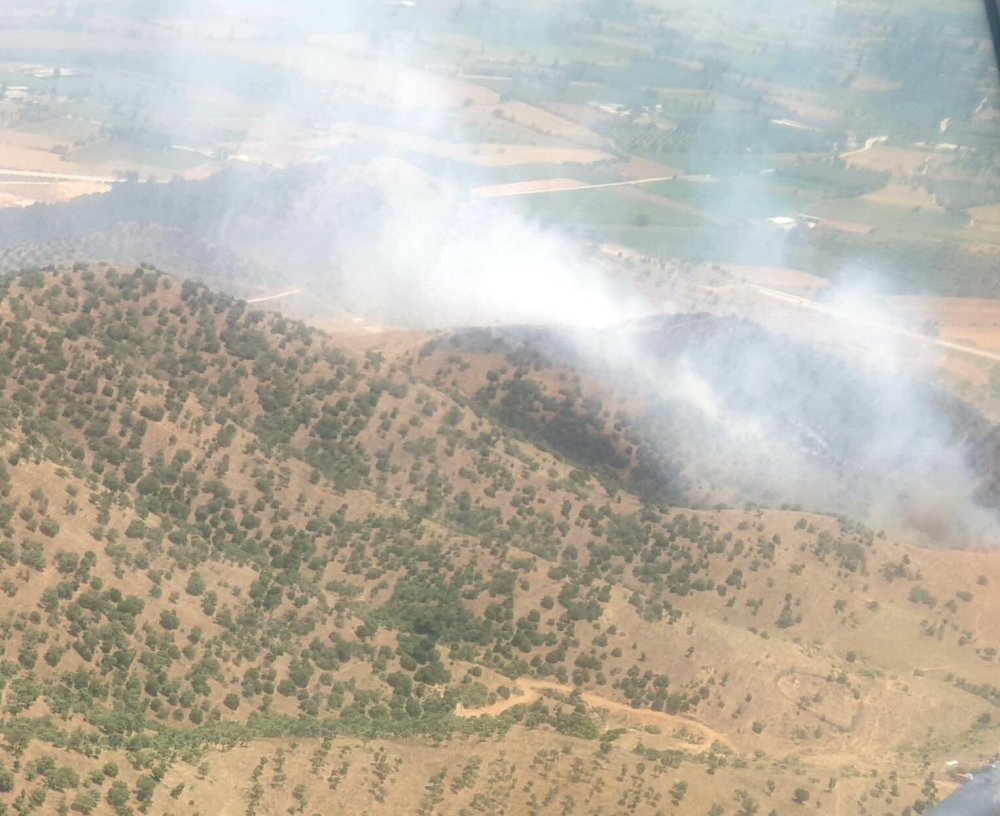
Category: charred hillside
[723,402]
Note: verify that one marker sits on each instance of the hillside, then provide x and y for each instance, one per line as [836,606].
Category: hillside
[707,410]
[251,572]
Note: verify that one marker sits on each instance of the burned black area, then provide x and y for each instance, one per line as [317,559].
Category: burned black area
[874,436]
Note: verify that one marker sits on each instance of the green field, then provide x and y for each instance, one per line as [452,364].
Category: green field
[606,207]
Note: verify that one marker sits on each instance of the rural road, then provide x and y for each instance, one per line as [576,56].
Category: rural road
[822,308]
[869,144]
[35,174]
[533,690]
[277,296]
[521,189]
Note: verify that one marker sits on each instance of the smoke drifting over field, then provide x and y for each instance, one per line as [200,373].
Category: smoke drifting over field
[433,260]
[750,411]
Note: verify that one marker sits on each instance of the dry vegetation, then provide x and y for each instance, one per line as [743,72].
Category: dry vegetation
[251,568]
[250,572]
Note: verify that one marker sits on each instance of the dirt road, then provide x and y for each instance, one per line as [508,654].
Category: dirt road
[277,296]
[523,189]
[832,311]
[35,174]
[869,144]
[669,723]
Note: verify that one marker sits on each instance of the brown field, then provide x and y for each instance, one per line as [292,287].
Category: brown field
[45,177]
[805,109]
[41,164]
[630,188]
[801,103]
[484,155]
[790,280]
[872,84]
[970,321]
[897,160]
[640,168]
[11,199]
[584,115]
[536,120]
[495,129]
[982,247]
[49,133]
[987,217]
[14,194]
[516,188]
[14,156]
[845,226]
[498,155]
[902,195]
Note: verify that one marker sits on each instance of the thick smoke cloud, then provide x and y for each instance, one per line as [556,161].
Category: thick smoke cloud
[749,415]
[863,433]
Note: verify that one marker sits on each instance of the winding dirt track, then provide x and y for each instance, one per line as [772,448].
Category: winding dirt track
[670,723]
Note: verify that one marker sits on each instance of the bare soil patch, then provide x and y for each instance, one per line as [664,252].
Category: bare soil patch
[494,155]
[537,120]
[897,160]
[967,321]
[19,157]
[8,199]
[851,227]
[902,195]
[778,277]
[24,194]
[638,168]
[585,115]
[484,155]
[873,84]
[801,103]
[805,109]
[988,215]
[517,188]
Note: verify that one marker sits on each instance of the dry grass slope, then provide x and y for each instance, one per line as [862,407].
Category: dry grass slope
[251,572]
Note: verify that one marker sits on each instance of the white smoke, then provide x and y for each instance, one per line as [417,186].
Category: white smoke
[436,260]
[427,255]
